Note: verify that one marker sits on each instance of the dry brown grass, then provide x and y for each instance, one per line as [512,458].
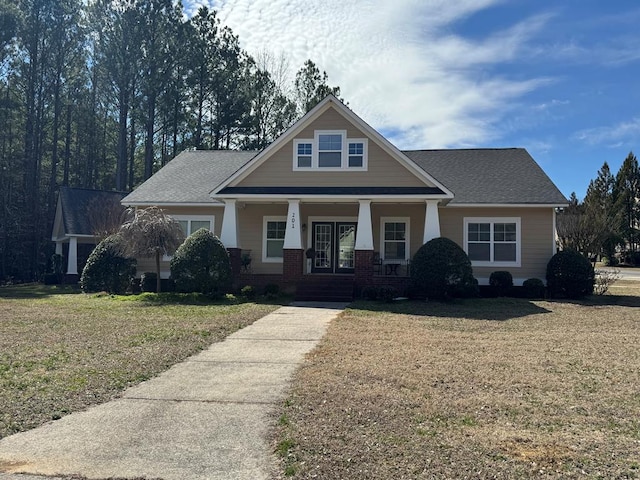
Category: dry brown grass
[62,352]
[489,388]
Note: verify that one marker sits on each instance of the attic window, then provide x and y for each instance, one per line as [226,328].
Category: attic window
[330,150]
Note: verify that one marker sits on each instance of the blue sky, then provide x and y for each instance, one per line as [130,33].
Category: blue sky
[559,78]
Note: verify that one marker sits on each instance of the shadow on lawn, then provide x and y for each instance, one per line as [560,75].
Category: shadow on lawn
[36,290]
[495,309]
[603,301]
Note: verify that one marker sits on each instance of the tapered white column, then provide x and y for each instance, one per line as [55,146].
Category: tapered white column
[431,221]
[58,248]
[364,233]
[293,233]
[72,257]
[229,232]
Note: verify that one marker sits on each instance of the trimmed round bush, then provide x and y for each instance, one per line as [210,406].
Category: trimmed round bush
[570,275]
[501,282]
[370,292]
[201,265]
[533,288]
[107,269]
[441,269]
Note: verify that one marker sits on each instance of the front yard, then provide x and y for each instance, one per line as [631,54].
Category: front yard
[61,351]
[488,388]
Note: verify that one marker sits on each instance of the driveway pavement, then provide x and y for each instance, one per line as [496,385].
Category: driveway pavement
[624,273]
[205,418]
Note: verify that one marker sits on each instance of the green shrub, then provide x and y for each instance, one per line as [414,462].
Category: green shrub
[533,288]
[149,282]
[271,290]
[441,269]
[248,292]
[201,265]
[570,275]
[107,269]
[501,282]
[370,292]
[386,293]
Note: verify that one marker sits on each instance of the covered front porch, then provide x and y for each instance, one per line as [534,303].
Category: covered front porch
[367,241]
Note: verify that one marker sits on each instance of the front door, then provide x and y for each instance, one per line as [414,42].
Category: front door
[334,243]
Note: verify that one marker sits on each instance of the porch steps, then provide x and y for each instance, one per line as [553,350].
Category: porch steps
[325,289]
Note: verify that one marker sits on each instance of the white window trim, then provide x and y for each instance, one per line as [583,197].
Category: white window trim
[189,218]
[265,220]
[297,142]
[315,152]
[492,221]
[407,234]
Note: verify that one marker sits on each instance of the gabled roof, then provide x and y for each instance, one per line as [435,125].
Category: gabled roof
[330,101]
[72,213]
[489,176]
[188,178]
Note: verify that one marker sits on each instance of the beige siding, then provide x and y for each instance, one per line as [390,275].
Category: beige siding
[537,237]
[250,233]
[277,171]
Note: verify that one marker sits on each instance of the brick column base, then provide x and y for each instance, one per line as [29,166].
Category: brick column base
[235,260]
[363,273]
[293,261]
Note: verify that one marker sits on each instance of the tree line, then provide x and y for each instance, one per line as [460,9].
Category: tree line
[102,93]
[607,222]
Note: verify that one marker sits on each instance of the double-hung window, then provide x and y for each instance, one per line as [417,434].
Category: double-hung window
[273,239]
[493,241]
[394,236]
[330,150]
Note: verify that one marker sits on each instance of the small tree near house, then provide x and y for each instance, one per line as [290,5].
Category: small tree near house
[151,233]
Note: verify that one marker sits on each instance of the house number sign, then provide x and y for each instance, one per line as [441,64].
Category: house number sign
[293,220]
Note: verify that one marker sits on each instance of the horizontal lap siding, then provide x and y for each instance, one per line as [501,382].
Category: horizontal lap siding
[250,226]
[537,236]
[383,171]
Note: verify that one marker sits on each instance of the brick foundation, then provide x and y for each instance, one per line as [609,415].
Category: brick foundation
[293,262]
[363,267]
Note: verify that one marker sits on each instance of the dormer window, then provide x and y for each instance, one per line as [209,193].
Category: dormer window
[330,150]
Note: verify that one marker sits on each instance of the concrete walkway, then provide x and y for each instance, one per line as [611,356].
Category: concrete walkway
[205,418]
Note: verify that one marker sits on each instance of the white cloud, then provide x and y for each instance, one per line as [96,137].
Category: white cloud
[399,64]
[612,136]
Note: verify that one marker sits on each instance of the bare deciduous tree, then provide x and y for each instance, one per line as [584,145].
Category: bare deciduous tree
[151,233]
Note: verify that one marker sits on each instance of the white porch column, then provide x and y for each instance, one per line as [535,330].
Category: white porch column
[58,248]
[293,233]
[72,257]
[431,221]
[229,232]
[364,234]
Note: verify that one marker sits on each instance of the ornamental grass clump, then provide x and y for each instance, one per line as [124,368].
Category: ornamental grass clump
[201,264]
[440,269]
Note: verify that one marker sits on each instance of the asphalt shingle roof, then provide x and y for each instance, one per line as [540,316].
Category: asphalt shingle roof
[475,176]
[189,177]
[76,203]
[489,176]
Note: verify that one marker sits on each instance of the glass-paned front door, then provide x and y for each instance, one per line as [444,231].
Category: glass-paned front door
[334,244]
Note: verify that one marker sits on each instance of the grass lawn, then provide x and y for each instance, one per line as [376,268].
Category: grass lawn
[61,350]
[486,388]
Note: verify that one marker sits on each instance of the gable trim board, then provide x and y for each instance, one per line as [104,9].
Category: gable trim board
[329,102]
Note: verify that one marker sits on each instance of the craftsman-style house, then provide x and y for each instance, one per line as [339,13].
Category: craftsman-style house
[332,203]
